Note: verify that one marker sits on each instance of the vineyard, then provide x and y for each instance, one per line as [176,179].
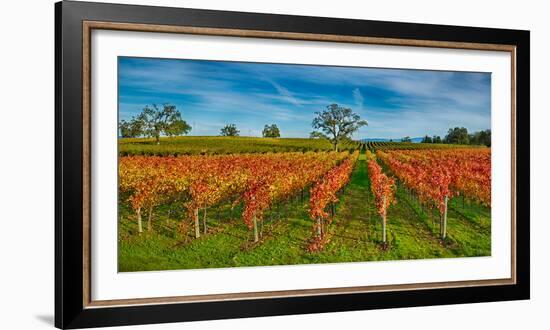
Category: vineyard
[219,145]
[435,176]
[201,182]
[384,145]
[248,209]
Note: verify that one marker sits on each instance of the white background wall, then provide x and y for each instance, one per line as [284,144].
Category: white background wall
[27,162]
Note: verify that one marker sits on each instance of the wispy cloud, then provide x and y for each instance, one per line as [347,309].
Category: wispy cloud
[358,97]
[395,102]
[283,92]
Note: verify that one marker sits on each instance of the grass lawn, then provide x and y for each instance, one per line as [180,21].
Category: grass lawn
[355,234]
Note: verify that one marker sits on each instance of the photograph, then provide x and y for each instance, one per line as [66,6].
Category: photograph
[245,164]
[216,164]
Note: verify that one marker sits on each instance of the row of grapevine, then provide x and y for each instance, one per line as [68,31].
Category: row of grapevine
[199,182]
[387,145]
[437,175]
[383,188]
[325,192]
[470,169]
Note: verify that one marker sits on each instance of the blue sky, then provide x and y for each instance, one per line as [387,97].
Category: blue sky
[396,103]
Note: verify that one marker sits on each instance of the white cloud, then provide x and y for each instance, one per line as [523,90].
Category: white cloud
[358,97]
[284,93]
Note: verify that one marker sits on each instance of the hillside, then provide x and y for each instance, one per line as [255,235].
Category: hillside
[187,145]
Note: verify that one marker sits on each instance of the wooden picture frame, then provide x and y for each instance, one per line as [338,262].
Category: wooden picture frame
[74,307]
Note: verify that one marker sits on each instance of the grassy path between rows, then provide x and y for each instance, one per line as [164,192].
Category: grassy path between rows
[356,234]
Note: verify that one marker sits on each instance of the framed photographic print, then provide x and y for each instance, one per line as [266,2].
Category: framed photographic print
[214,164]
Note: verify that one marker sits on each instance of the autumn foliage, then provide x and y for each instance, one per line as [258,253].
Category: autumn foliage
[436,174]
[259,182]
[199,182]
[324,192]
[382,187]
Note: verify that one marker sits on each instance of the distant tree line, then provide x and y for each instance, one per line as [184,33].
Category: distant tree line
[269,131]
[460,135]
[431,139]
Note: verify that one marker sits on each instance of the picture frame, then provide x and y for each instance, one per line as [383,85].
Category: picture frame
[74,23]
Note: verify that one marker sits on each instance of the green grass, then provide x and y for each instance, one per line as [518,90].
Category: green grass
[355,234]
[224,145]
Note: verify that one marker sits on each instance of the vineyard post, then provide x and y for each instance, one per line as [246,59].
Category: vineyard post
[384,220]
[262,228]
[140,228]
[196,220]
[430,212]
[149,218]
[204,220]
[255,228]
[444,227]
[368,204]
